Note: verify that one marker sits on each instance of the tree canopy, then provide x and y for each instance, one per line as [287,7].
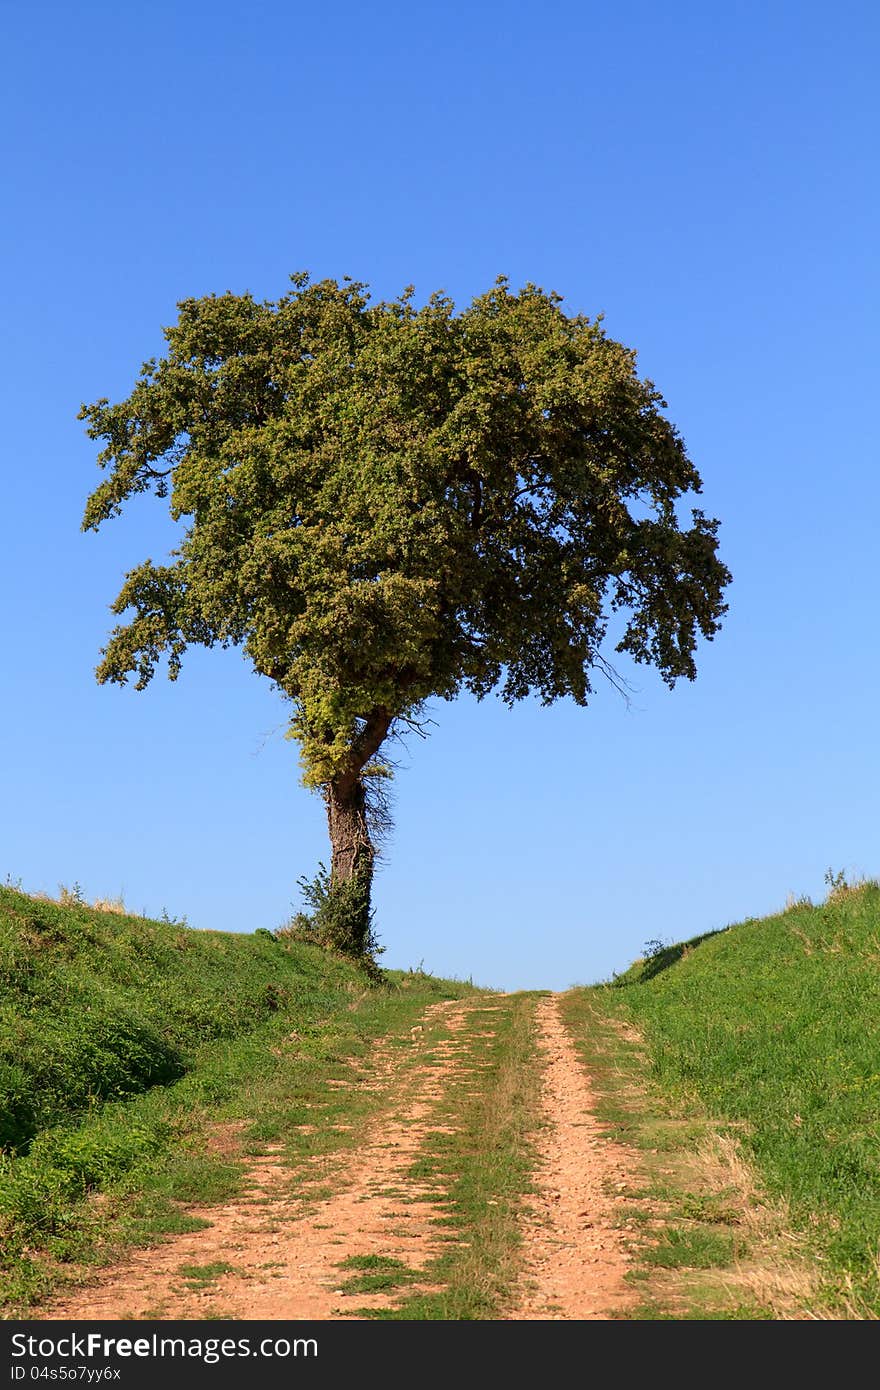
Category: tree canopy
[383,503]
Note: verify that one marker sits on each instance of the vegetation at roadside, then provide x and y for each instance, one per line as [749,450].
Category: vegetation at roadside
[127,1045]
[98,1006]
[705,1242]
[773,1027]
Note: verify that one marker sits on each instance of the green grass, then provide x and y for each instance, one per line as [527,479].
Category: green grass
[96,1006]
[691,1249]
[774,1025]
[702,1247]
[128,1046]
[376,1273]
[199,1277]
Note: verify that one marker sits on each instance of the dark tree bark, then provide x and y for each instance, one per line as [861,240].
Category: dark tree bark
[353,853]
[352,849]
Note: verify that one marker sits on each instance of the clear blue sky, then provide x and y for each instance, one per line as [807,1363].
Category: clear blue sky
[705,175]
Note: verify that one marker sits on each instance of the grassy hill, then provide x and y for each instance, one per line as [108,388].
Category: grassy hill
[774,1025]
[97,1006]
[123,1040]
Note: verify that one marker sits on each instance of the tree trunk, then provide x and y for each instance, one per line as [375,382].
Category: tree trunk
[350,842]
[349,916]
[347,911]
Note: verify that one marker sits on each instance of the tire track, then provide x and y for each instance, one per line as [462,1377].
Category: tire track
[575,1259]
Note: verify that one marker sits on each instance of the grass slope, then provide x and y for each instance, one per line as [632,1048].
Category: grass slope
[96,1006]
[123,1042]
[774,1025]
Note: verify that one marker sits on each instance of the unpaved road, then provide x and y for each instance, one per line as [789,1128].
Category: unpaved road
[284,1241]
[575,1260]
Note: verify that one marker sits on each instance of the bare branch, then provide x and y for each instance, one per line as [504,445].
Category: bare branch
[623,687]
[414,726]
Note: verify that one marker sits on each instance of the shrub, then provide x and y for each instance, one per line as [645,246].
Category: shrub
[340,919]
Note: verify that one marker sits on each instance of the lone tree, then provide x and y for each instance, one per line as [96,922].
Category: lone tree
[383,503]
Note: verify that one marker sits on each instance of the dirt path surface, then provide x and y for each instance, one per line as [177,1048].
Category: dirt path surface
[285,1242]
[575,1257]
[276,1250]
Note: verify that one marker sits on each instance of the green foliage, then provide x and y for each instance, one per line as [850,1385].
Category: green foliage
[70,897]
[340,919]
[382,504]
[775,1026]
[65,1163]
[836,882]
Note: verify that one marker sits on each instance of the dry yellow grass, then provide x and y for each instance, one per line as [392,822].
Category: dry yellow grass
[777,1272]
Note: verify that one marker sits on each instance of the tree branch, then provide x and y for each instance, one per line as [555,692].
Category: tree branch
[415,726]
[368,741]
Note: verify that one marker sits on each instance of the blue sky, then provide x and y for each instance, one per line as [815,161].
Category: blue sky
[705,176]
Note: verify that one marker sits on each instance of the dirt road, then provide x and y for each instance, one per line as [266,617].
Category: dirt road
[575,1259]
[285,1247]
